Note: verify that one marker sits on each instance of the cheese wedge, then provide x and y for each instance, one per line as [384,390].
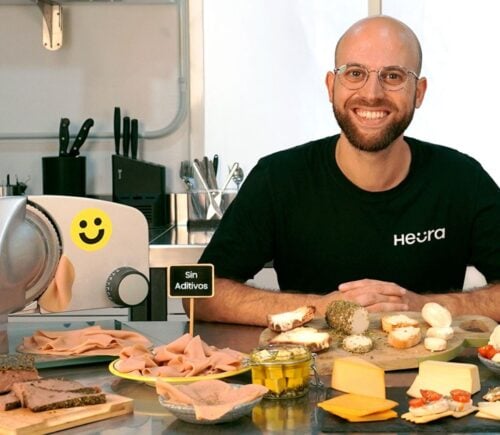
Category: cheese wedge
[356,405]
[376,416]
[443,377]
[490,409]
[348,372]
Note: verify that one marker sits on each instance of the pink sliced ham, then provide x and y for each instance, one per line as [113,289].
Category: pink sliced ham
[211,399]
[93,340]
[186,356]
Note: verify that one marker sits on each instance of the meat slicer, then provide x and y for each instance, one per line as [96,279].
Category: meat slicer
[68,253]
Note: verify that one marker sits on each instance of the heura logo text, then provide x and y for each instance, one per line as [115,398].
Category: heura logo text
[420,237]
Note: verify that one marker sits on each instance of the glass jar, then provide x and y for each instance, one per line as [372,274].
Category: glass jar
[283,369]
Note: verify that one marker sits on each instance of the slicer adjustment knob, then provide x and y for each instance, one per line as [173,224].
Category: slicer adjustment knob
[127,286]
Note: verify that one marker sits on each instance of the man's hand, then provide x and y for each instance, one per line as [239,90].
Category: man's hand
[378,296]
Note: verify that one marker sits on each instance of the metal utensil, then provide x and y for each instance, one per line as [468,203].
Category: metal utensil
[218,197]
[238,177]
[213,208]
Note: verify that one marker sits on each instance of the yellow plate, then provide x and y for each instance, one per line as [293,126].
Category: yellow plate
[151,380]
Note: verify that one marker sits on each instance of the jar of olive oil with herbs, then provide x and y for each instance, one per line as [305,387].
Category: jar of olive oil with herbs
[283,369]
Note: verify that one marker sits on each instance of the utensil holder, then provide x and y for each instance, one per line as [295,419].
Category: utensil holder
[64,175]
[199,205]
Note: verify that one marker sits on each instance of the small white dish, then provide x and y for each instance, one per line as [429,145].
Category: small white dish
[492,365]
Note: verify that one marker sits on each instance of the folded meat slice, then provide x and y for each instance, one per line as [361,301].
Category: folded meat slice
[211,399]
[178,346]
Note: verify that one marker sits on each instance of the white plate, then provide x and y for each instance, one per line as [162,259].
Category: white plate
[492,365]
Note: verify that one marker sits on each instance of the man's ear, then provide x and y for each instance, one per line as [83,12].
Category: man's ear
[420,91]
[330,81]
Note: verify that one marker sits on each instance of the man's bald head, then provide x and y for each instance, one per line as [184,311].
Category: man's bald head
[385,27]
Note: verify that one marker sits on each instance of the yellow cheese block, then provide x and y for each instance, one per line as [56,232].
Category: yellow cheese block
[376,416]
[442,377]
[356,405]
[355,375]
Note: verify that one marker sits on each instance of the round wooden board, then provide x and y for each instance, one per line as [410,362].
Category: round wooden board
[470,331]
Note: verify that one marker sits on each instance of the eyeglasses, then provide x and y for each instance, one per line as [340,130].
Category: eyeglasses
[392,78]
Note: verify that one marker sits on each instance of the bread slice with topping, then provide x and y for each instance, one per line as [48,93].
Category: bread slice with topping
[313,339]
[404,338]
[394,321]
[289,320]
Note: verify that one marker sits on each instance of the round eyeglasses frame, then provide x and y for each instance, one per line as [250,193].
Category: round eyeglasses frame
[354,82]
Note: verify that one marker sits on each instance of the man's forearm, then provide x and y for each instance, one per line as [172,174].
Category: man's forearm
[239,303]
[484,301]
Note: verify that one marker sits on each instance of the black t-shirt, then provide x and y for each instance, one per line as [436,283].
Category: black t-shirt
[297,209]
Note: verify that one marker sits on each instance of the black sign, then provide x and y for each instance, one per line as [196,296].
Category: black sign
[191,281]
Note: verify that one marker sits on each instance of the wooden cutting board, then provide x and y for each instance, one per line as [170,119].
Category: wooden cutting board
[470,331]
[23,421]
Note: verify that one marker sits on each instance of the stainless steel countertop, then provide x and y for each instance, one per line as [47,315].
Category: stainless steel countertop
[300,416]
[177,245]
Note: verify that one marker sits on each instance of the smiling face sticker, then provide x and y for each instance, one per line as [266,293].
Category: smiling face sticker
[91,229]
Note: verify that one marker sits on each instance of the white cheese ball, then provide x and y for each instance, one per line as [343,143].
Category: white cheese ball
[435,344]
[436,315]
[445,333]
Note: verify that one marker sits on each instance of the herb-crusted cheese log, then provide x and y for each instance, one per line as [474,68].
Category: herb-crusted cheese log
[347,317]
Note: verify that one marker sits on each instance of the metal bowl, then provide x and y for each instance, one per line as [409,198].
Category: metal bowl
[492,365]
[187,413]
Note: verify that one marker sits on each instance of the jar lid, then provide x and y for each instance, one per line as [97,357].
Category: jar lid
[280,354]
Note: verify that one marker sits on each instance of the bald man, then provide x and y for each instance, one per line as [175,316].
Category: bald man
[368,215]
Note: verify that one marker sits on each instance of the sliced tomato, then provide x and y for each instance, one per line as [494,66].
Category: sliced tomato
[487,351]
[416,403]
[430,396]
[460,395]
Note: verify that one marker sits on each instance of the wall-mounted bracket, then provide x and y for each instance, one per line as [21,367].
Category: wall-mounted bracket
[52,24]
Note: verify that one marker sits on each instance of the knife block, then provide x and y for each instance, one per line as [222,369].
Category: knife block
[64,175]
[141,185]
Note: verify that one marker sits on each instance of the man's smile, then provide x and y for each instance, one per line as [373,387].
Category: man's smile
[371,114]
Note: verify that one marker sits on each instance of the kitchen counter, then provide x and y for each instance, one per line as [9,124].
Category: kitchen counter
[290,416]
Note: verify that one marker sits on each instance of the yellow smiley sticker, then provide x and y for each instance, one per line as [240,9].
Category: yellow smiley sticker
[91,229]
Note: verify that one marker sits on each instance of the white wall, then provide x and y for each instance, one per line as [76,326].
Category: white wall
[265,63]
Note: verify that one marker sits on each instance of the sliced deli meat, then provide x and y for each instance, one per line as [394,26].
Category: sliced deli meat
[93,340]
[211,399]
[187,356]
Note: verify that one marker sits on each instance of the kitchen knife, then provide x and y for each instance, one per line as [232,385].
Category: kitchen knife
[63,137]
[126,135]
[117,129]
[81,137]
[134,138]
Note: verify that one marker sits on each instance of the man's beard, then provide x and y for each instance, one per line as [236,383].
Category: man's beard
[385,137]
